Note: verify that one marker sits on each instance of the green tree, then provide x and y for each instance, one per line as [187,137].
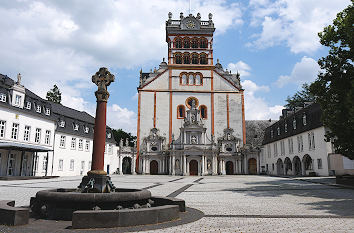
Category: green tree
[54,95]
[300,97]
[334,87]
[121,134]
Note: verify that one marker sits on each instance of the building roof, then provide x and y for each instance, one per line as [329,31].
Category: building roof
[23,147]
[312,115]
[255,132]
[59,112]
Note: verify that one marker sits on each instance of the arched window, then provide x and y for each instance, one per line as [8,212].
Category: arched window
[203,43]
[180,111]
[203,112]
[190,79]
[195,58]
[178,58]
[198,79]
[178,43]
[186,58]
[194,43]
[186,43]
[184,79]
[203,59]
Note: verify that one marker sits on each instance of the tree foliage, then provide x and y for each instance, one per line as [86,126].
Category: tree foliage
[54,95]
[300,97]
[121,134]
[334,87]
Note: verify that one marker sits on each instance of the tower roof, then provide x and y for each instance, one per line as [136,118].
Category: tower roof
[189,25]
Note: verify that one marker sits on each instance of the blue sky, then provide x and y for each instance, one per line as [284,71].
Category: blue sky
[272,43]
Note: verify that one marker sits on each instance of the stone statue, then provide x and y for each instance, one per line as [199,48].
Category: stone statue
[19,77]
[193,140]
[102,79]
[126,142]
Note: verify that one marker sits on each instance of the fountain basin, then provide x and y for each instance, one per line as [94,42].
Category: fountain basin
[59,204]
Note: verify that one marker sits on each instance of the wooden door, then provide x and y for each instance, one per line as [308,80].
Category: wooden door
[229,168]
[154,167]
[193,168]
[252,166]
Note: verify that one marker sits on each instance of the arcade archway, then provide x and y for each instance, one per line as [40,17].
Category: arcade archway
[288,166]
[297,166]
[280,167]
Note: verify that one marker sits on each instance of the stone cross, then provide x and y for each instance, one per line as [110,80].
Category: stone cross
[102,79]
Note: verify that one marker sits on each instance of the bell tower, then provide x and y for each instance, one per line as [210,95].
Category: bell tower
[190,40]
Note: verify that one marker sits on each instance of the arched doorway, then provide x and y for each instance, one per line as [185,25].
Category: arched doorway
[280,167]
[193,168]
[288,166]
[297,166]
[252,166]
[229,168]
[126,166]
[307,160]
[154,167]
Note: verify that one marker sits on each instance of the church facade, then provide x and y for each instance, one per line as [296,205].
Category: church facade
[191,118]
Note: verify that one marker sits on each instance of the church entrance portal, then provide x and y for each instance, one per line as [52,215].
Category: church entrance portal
[252,166]
[154,167]
[126,166]
[229,168]
[193,168]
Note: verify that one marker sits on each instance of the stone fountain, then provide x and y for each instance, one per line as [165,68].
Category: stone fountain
[97,202]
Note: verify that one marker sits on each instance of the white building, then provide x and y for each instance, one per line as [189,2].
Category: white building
[190,111]
[41,138]
[295,145]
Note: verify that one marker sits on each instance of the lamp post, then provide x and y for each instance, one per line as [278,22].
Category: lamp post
[97,179]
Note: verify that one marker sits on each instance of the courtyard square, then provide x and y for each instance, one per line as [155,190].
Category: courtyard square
[229,203]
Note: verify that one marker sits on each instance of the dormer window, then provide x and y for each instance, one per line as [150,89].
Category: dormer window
[294,123]
[87,129]
[304,121]
[18,100]
[39,109]
[76,127]
[109,135]
[62,124]
[2,97]
[278,130]
[28,105]
[286,127]
[271,133]
[47,111]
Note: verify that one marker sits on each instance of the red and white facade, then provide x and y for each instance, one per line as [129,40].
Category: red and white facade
[165,99]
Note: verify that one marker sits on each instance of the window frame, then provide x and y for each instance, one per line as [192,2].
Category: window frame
[73,143]
[27,133]
[2,129]
[38,135]
[184,111]
[206,111]
[15,131]
[62,142]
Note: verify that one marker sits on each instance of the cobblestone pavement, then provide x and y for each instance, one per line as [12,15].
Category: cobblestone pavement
[230,203]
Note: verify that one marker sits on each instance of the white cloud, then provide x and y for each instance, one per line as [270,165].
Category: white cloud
[256,107]
[293,22]
[243,68]
[121,118]
[64,43]
[304,71]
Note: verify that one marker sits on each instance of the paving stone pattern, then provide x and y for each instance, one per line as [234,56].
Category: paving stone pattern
[230,203]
